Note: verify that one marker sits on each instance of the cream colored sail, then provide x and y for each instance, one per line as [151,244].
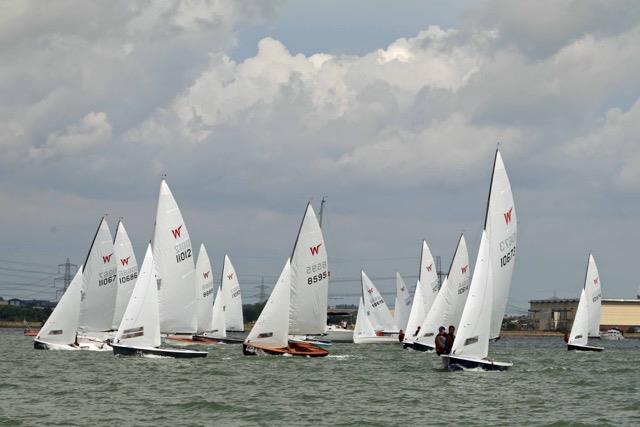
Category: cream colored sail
[218,322]
[61,326]
[580,329]
[127,272]
[402,306]
[594,296]
[232,297]
[426,289]
[204,285]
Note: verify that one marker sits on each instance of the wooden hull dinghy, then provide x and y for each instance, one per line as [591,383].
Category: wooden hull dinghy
[125,350]
[294,348]
[310,340]
[458,363]
[205,339]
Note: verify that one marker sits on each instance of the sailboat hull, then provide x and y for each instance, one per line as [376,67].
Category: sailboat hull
[584,347]
[293,349]
[422,347]
[123,350]
[205,339]
[457,363]
[386,339]
[313,341]
[41,345]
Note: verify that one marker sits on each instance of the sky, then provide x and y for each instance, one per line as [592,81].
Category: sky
[392,110]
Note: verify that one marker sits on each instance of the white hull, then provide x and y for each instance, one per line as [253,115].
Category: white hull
[388,339]
[43,345]
[339,335]
[611,335]
[461,363]
[92,343]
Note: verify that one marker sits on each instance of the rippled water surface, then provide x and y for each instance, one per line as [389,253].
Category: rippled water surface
[356,385]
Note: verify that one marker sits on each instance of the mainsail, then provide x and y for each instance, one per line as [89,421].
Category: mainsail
[501,226]
[426,289]
[173,257]
[376,310]
[309,279]
[99,284]
[594,296]
[204,285]
[450,301]
[231,297]
[127,272]
[61,326]
[140,324]
[402,305]
[472,339]
[272,327]
[218,321]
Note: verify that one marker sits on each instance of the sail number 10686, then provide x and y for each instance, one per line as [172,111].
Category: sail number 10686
[506,259]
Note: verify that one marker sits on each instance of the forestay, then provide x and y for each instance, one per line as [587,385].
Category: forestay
[402,305]
[232,297]
[99,283]
[594,296]
[426,289]
[580,328]
[140,326]
[173,257]
[126,270]
[272,327]
[61,326]
[218,321]
[472,339]
[309,279]
[204,285]
[450,301]
[375,308]
[501,227]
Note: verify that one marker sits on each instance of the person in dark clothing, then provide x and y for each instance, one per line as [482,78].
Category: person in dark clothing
[415,334]
[401,335]
[441,341]
[451,336]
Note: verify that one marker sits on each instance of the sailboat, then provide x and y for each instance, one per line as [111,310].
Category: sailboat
[99,290]
[173,257]
[139,331]
[374,324]
[60,330]
[204,285]
[489,291]
[309,283]
[270,333]
[426,289]
[126,270]
[232,297]
[449,302]
[584,325]
[402,307]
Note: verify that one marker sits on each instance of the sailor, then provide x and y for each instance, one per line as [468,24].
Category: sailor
[415,334]
[451,336]
[401,335]
[441,341]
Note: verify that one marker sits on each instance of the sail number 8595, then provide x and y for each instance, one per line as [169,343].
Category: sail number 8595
[317,278]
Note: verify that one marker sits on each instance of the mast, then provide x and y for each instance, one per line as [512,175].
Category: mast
[324,200]
[493,171]
[86,259]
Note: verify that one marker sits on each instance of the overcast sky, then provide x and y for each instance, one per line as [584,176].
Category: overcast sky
[392,110]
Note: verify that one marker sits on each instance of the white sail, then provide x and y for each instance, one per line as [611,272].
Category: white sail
[272,327]
[61,326]
[232,297]
[140,324]
[99,283]
[472,339]
[594,297]
[426,289]
[363,327]
[309,279]
[375,308]
[501,226]
[580,328]
[204,285]
[173,257]
[127,272]
[218,321]
[402,305]
[450,301]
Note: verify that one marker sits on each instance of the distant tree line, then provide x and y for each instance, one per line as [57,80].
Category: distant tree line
[30,314]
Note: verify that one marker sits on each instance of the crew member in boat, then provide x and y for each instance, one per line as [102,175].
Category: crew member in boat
[451,336]
[401,335]
[415,334]
[441,341]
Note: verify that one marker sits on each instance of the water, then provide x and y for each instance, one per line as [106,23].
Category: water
[376,385]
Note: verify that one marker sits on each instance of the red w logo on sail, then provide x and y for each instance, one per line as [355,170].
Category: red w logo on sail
[370,290]
[125,261]
[107,258]
[507,216]
[464,269]
[230,276]
[596,280]
[315,249]
[205,275]
[176,232]
[429,267]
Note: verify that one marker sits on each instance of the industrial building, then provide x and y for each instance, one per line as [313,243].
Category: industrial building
[556,314]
